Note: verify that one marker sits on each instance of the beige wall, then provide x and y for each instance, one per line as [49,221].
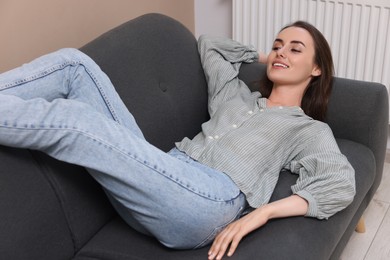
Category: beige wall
[29,29]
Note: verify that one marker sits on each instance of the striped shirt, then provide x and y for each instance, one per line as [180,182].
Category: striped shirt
[253,143]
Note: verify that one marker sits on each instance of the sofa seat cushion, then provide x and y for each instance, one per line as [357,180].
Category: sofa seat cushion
[117,241]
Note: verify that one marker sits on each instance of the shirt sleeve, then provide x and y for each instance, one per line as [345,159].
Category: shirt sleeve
[326,178]
[221,60]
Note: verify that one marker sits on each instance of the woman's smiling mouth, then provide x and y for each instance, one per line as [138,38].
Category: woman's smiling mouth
[280,65]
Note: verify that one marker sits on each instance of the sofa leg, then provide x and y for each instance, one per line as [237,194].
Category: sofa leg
[361,226]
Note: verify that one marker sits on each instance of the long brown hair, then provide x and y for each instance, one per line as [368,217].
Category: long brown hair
[316,97]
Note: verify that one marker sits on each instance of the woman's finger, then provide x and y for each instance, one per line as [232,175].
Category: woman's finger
[234,244]
[216,246]
[224,240]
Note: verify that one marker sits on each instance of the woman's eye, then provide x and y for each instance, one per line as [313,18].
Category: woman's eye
[275,48]
[295,50]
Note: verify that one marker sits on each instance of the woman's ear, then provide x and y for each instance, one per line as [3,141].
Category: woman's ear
[316,71]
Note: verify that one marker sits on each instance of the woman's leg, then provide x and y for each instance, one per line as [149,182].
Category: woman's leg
[178,203]
[69,74]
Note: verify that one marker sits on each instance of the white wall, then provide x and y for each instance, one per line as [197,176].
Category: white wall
[213,17]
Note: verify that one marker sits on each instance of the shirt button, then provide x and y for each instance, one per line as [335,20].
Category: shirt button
[250,112]
[211,138]
[280,107]
[216,137]
[234,126]
[261,110]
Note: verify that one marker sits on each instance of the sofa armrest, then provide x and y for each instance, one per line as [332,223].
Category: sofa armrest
[359,111]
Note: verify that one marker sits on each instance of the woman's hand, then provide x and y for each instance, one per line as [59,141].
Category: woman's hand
[234,232]
[263,58]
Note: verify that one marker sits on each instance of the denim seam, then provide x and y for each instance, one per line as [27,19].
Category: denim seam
[62,66]
[37,76]
[101,91]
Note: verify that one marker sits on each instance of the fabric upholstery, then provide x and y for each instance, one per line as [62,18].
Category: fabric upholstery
[158,76]
[29,208]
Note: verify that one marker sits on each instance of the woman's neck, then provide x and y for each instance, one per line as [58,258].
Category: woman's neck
[285,96]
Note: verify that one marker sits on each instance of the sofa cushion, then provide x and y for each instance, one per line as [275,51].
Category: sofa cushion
[82,200]
[44,200]
[159,77]
[30,214]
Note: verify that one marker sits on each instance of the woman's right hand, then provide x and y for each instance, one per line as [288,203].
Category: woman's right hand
[263,58]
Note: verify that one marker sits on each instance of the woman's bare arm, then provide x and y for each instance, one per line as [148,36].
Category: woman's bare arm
[233,233]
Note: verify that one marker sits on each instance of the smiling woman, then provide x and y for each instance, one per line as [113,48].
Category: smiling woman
[299,74]
[300,59]
[291,65]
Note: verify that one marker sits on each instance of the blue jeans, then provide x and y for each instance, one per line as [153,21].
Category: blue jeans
[64,105]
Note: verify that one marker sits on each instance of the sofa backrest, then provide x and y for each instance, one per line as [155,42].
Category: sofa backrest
[154,65]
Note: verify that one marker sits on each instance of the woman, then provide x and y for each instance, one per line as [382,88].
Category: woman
[215,187]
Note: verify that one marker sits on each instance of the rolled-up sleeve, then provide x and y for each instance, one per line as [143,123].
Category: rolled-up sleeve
[221,60]
[326,178]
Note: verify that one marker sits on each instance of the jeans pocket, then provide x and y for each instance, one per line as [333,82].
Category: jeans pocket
[210,237]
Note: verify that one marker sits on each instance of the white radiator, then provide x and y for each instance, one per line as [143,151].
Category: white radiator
[358,31]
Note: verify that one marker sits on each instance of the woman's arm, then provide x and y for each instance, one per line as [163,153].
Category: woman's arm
[326,178]
[221,60]
[233,233]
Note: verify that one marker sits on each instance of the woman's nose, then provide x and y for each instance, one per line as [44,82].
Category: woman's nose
[280,52]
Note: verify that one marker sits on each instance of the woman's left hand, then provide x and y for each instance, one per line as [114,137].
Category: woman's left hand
[235,231]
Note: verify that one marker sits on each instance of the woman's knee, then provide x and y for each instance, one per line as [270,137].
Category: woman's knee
[75,57]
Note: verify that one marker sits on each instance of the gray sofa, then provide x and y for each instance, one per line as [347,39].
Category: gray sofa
[53,210]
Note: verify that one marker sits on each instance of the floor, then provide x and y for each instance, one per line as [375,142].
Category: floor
[374,244]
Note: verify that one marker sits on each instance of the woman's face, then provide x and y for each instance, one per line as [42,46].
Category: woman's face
[291,61]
